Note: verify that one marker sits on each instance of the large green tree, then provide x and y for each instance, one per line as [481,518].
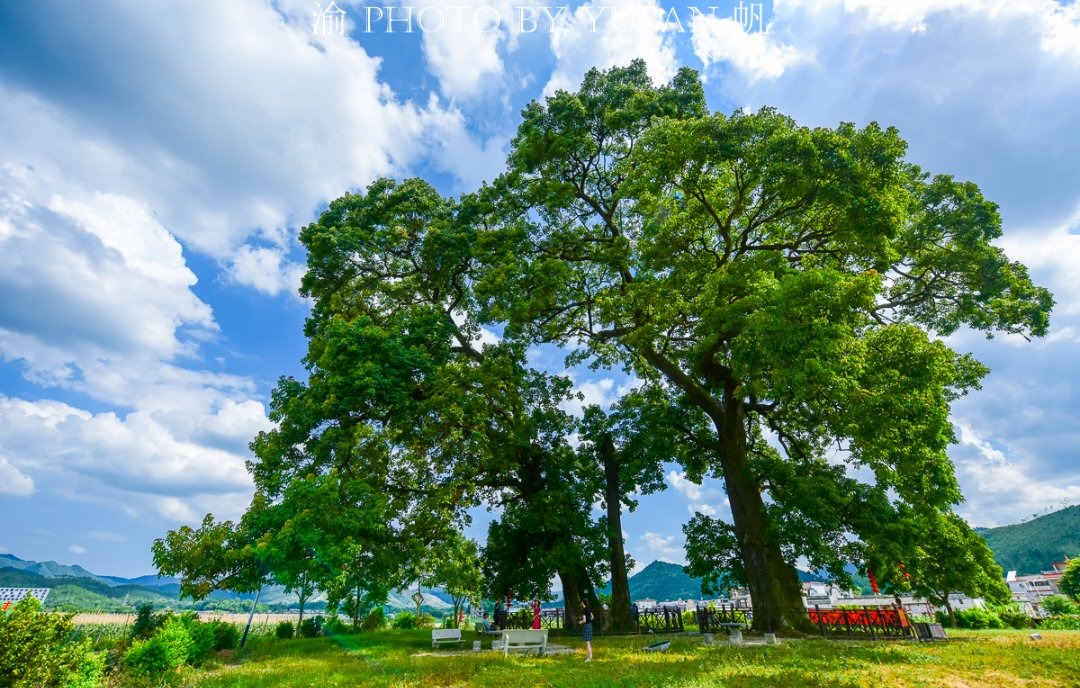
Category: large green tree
[404,403]
[786,283]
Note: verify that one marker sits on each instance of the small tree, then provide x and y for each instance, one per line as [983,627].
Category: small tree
[37,649]
[1070,580]
[1056,605]
[456,567]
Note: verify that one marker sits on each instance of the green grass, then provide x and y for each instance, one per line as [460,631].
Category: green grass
[1002,659]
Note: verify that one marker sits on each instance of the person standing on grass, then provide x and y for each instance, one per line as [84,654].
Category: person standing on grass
[536,614]
[586,630]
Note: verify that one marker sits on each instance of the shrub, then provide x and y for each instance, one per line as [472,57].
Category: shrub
[1058,605]
[147,622]
[978,618]
[37,648]
[202,638]
[226,635]
[425,621]
[1069,622]
[311,628]
[171,648]
[404,620]
[375,620]
[285,630]
[1011,616]
[335,626]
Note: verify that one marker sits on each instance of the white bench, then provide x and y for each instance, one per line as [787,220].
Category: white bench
[524,639]
[445,635]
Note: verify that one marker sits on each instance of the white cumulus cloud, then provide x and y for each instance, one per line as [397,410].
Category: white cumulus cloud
[14,482]
[605,35]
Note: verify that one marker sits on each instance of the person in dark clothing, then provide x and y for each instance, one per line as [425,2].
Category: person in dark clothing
[586,630]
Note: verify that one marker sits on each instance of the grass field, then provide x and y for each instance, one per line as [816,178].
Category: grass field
[975,659]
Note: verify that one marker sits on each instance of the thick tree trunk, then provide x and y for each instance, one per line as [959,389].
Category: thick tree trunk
[577,589]
[571,599]
[774,584]
[621,618]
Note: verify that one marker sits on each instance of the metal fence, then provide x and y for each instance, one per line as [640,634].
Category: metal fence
[659,620]
[715,618]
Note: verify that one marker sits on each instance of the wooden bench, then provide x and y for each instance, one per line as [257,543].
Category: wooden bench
[445,635]
[525,639]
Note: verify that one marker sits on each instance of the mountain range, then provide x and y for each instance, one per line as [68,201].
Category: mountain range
[1027,548]
[73,588]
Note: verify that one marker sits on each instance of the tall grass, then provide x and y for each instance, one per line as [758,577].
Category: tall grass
[400,658]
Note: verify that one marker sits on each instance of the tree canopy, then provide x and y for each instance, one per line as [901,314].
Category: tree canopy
[780,294]
[787,286]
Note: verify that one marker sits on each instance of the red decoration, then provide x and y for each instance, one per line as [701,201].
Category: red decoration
[873,581]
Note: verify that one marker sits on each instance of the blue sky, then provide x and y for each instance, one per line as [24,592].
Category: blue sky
[158,158]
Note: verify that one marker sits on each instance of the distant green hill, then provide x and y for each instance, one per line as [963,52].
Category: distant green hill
[662,580]
[51,569]
[1032,546]
[84,594]
[73,588]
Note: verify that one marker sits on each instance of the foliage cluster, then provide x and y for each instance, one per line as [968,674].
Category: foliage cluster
[311,627]
[39,648]
[409,620]
[374,621]
[1070,580]
[285,630]
[1057,605]
[164,642]
[990,616]
[1065,622]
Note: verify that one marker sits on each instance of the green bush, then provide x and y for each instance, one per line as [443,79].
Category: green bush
[405,620]
[285,630]
[1011,616]
[39,649]
[375,620]
[311,628]
[202,638]
[1058,605]
[425,621]
[168,650]
[1069,622]
[335,626]
[226,635]
[978,618]
[147,622]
